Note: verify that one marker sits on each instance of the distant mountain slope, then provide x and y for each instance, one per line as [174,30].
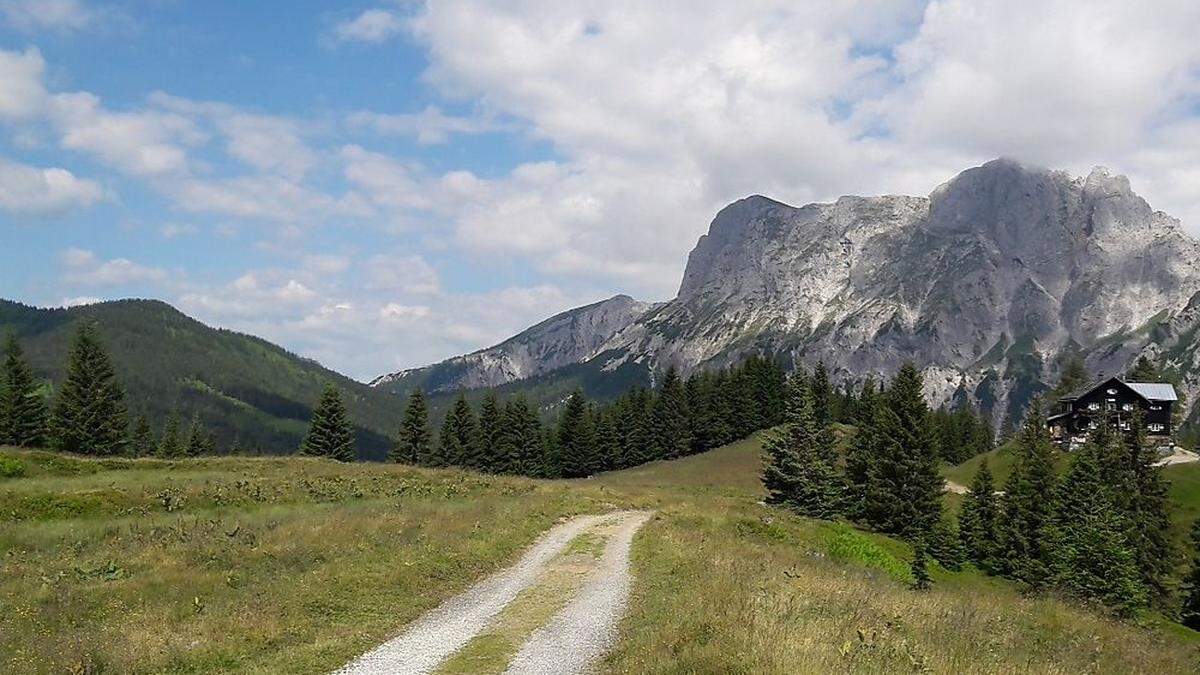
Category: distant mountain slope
[559,342]
[250,392]
[987,284]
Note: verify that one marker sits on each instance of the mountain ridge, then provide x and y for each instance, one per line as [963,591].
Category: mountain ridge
[988,284]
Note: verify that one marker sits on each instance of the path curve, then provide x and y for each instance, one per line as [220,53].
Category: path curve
[444,630]
[586,628]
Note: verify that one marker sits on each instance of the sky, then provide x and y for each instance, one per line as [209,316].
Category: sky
[385,184]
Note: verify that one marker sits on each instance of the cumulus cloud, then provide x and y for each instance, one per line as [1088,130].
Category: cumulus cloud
[370,26]
[59,15]
[29,190]
[431,126]
[22,93]
[82,266]
[656,129]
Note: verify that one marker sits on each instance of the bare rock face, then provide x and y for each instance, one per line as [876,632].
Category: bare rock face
[986,284]
[561,340]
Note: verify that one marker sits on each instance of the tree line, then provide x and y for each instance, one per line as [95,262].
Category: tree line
[1099,531]
[88,413]
[676,418]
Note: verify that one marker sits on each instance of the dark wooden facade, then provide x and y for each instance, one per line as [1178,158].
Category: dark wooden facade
[1116,401]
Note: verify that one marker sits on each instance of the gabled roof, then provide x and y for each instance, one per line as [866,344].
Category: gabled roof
[1154,391]
[1151,391]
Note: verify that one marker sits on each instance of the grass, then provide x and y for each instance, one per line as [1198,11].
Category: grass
[298,565]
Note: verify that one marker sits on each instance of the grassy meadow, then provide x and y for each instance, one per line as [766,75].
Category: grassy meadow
[297,565]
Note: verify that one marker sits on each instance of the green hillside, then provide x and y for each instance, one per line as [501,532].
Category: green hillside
[252,394]
[296,565]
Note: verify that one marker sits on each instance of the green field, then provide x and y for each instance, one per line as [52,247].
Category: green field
[297,565]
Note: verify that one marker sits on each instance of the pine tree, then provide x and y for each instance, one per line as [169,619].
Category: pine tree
[491,435]
[860,455]
[22,407]
[522,437]
[171,444]
[669,418]
[1190,614]
[920,566]
[1090,555]
[142,444]
[196,438]
[412,443]
[608,441]
[904,489]
[459,441]
[576,439]
[801,470]
[978,520]
[945,545]
[329,432]
[89,412]
[822,393]
[1144,370]
[1141,495]
[1074,375]
[1027,505]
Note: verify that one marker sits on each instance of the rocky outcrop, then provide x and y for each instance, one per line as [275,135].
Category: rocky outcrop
[986,284]
[561,340]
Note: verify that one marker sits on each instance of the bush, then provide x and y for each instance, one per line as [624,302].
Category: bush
[11,467]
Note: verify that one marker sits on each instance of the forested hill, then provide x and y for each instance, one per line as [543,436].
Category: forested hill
[252,394]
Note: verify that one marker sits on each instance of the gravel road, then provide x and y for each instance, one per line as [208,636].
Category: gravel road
[577,636]
[444,630]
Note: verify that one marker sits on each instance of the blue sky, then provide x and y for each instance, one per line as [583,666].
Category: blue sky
[384,184]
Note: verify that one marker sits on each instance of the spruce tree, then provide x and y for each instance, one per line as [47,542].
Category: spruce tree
[945,544]
[171,444]
[576,439]
[669,418]
[979,519]
[801,470]
[196,438]
[822,394]
[903,492]
[143,443]
[522,437]
[608,441]
[491,435]
[1144,500]
[1074,375]
[22,407]
[89,414]
[1144,370]
[458,444]
[920,566]
[1028,504]
[412,443]
[1190,613]
[330,433]
[1090,555]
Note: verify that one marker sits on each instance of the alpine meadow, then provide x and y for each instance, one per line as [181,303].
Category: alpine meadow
[452,336]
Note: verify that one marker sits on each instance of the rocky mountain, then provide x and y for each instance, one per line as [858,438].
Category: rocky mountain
[562,340]
[987,284]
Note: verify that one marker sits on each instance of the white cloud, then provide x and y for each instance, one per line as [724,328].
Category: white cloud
[370,26]
[29,190]
[431,126]
[657,129]
[176,230]
[60,15]
[22,93]
[143,142]
[83,267]
[399,273]
[79,301]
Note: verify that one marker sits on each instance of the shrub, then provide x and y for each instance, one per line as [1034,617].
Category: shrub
[11,467]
